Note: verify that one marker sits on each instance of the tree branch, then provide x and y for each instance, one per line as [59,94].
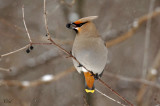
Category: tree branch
[151,76]
[26,26]
[115,92]
[5,69]
[68,4]
[46,79]
[136,24]
[147,40]
[109,97]
[6,54]
[134,80]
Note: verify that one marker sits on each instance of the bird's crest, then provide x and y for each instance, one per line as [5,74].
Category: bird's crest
[86,19]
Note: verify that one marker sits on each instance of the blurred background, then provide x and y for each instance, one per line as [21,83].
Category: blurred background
[123,72]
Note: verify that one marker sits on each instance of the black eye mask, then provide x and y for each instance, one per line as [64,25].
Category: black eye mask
[79,25]
[73,25]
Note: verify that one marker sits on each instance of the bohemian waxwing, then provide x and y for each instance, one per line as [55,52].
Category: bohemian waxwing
[89,49]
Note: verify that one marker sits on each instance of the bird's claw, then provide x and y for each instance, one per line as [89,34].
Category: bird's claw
[96,76]
[80,65]
[69,55]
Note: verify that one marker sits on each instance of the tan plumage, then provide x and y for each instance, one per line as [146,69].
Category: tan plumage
[86,19]
[89,50]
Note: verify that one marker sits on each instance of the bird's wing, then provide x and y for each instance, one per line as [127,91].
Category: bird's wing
[91,53]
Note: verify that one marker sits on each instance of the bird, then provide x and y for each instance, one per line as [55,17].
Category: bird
[89,49]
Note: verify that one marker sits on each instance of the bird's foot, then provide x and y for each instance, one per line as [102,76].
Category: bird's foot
[69,55]
[80,65]
[70,52]
[96,76]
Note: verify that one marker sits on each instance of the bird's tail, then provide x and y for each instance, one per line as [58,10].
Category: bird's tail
[89,82]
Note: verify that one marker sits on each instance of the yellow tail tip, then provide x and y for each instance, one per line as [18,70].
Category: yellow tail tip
[89,91]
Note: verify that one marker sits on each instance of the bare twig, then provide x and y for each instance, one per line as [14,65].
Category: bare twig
[41,43]
[150,77]
[106,85]
[27,46]
[109,97]
[85,101]
[147,40]
[5,69]
[44,80]
[135,80]
[136,24]
[26,26]
[68,4]
[6,54]
[45,20]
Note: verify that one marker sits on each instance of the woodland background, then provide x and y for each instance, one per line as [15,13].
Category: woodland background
[123,71]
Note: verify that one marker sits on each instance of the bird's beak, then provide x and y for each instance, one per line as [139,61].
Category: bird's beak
[71,25]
